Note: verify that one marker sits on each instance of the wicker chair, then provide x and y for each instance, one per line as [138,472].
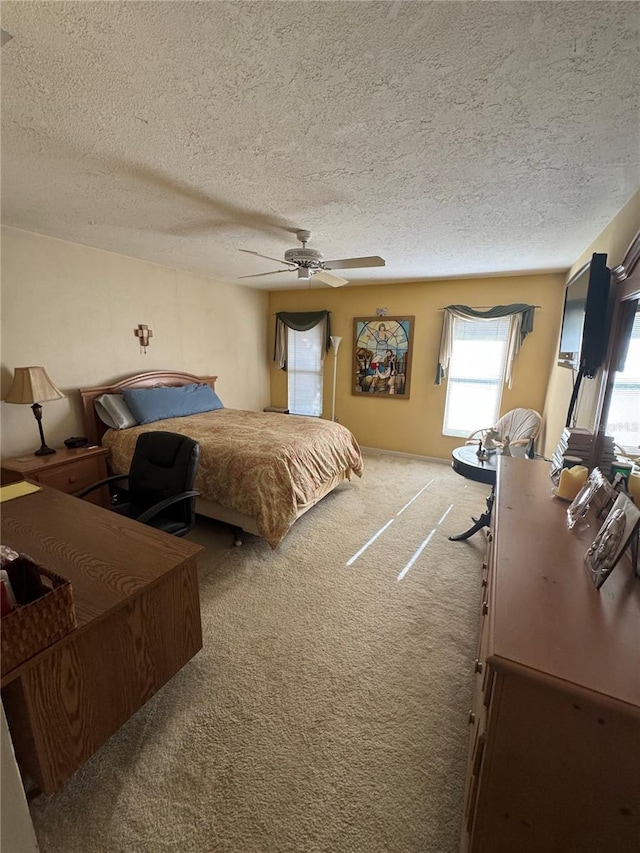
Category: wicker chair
[519,426]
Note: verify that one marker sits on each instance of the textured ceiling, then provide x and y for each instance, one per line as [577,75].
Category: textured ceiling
[450,138]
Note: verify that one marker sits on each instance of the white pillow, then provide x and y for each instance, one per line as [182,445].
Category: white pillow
[114,412]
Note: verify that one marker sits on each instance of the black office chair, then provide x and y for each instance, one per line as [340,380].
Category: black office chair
[160,488]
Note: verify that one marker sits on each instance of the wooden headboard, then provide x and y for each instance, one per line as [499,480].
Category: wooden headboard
[95,428]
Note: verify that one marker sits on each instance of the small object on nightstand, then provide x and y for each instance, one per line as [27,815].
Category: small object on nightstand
[76,441]
[480,453]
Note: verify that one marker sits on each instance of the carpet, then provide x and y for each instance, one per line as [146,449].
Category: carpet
[328,708]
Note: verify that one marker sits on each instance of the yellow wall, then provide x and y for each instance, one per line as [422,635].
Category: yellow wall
[614,240]
[73,310]
[415,425]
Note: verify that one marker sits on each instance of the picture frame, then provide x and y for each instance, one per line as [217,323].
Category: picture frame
[617,532]
[596,495]
[382,356]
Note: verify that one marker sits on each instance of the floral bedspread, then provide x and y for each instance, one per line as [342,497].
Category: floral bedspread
[262,464]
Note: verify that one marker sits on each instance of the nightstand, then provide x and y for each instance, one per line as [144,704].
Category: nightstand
[65,470]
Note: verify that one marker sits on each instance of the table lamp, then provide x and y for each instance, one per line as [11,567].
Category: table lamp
[31,384]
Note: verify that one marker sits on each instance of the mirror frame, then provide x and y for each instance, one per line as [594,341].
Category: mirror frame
[626,282]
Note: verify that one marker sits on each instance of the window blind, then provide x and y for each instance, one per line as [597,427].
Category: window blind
[476,375]
[623,422]
[304,364]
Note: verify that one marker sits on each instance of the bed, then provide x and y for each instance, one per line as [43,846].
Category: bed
[258,471]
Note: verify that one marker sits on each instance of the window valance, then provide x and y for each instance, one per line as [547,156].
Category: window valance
[521,324]
[299,321]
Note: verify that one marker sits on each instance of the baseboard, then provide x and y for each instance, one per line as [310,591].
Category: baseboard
[406,455]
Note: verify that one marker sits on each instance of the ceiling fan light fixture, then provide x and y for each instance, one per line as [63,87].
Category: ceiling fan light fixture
[307,257]
[310,262]
[330,278]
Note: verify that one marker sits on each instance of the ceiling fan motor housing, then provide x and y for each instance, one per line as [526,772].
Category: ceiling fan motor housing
[306,258]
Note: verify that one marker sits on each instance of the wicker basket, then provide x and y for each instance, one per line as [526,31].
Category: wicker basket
[32,627]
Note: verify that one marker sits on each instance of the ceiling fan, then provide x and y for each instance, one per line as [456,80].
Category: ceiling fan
[311,263]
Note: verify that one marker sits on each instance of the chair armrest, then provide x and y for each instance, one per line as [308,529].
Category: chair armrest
[162,505]
[100,483]
[471,439]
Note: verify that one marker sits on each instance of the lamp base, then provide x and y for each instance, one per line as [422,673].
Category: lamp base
[44,451]
[37,414]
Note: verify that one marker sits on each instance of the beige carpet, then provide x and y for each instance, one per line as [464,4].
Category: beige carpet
[328,708]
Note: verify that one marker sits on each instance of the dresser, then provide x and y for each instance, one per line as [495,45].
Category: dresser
[68,470]
[554,758]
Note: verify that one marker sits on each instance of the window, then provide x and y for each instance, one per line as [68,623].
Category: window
[304,371]
[623,422]
[476,375]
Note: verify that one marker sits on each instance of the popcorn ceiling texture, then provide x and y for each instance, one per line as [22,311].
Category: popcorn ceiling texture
[450,138]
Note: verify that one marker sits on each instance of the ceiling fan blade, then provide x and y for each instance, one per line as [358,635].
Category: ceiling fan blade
[353,263]
[277,260]
[258,274]
[330,279]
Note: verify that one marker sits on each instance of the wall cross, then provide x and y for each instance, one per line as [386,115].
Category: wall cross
[143,333]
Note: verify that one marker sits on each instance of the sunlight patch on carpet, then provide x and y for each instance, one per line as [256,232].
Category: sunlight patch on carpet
[359,553]
[414,498]
[446,513]
[416,555]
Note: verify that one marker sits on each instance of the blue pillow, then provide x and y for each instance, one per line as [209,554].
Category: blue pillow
[156,404]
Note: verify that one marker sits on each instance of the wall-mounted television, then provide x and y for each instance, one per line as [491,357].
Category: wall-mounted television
[586,318]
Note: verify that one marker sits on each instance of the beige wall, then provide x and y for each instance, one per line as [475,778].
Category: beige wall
[73,309]
[415,425]
[614,241]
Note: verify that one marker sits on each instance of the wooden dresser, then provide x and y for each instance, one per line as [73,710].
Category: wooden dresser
[554,762]
[67,470]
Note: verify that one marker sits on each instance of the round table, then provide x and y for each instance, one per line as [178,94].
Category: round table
[465,461]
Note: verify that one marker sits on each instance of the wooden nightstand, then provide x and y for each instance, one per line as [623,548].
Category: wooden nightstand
[65,470]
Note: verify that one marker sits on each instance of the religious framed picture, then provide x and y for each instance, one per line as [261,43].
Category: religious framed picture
[596,495]
[619,527]
[382,352]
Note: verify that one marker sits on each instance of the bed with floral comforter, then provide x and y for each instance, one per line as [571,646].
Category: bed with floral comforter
[268,466]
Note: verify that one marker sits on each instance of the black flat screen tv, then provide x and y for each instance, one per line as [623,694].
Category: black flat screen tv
[586,318]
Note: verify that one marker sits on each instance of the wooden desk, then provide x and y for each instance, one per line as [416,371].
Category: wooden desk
[138,611]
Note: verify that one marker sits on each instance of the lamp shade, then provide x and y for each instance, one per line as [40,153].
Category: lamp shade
[335,342]
[32,385]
